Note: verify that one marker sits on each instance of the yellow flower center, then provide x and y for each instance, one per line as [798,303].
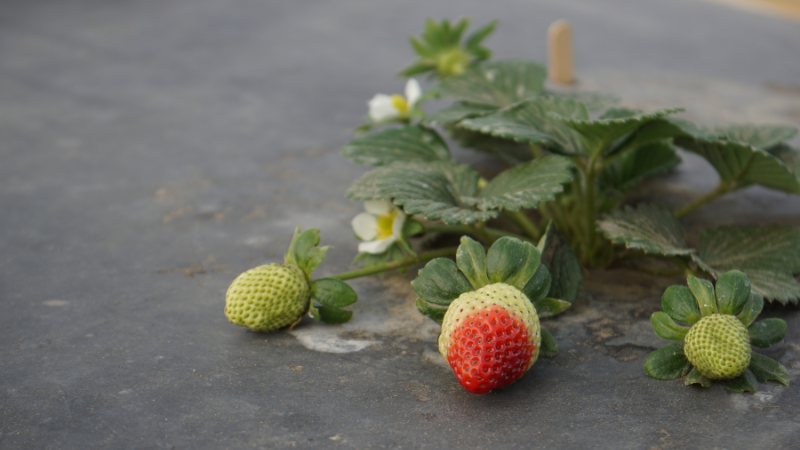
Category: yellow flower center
[385,222]
[400,103]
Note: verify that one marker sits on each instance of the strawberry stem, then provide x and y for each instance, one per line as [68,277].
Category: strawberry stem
[411,260]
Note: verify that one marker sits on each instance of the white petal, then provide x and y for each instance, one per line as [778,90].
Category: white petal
[378,207]
[382,108]
[413,92]
[397,225]
[376,247]
[366,226]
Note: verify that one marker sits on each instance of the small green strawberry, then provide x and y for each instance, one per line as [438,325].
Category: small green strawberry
[273,296]
[268,297]
[718,343]
[490,326]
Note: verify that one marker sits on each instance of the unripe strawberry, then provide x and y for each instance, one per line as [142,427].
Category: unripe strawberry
[719,346]
[269,297]
[490,337]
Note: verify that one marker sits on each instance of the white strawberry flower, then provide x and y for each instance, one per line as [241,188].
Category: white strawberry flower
[385,107]
[379,227]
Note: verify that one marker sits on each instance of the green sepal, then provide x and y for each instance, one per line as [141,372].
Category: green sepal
[512,261]
[330,315]
[733,291]
[546,238]
[751,309]
[549,307]
[766,369]
[746,382]
[303,251]
[694,377]
[332,292]
[703,291]
[680,304]
[539,285]
[548,348]
[471,259]
[440,282]
[667,328]
[667,363]
[566,273]
[436,314]
[413,227]
[767,332]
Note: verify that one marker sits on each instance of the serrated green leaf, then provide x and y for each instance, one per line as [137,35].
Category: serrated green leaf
[767,332]
[733,291]
[742,165]
[332,292]
[768,255]
[598,135]
[751,309]
[548,348]
[432,189]
[471,259]
[594,101]
[679,303]
[634,166]
[667,363]
[694,377]
[512,261]
[436,314]
[530,122]
[509,151]
[457,112]
[549,307]
[440,282]
[656,130]
[330,315]
[666,328]
[759,136]
[743,383]
[648,227]
[566,274]
[789,156]
[525,185]
[499,83]
[703,291]
[409,143]
[539,285]
[765,369]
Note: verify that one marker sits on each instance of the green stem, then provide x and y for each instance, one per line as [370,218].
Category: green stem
[536,150]
[721,189]
[411,260]
[524,223]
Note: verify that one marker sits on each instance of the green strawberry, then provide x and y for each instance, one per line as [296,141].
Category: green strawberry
[490,337]
[718,346]
[268,297]
[718,341]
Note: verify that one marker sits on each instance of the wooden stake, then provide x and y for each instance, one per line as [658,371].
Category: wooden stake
[559,53]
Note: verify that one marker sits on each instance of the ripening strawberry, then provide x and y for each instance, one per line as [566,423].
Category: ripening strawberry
[490,337]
